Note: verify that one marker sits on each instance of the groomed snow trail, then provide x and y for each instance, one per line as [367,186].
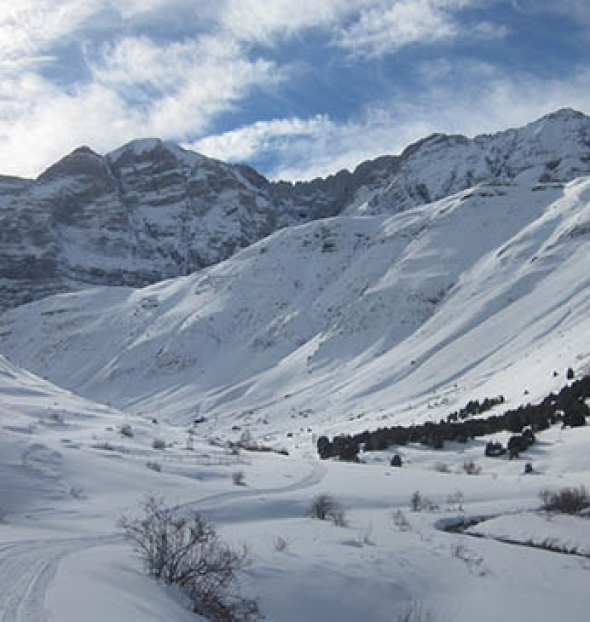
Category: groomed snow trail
[27,570]
[313,478]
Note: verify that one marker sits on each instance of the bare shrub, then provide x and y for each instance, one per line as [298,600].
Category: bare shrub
[566,500]
[415,611]
[442,467]
[400,521]
[419,502]
[77,493]
[104,445]
[126,430]
[187,552]
[325,507]
[280,544]
[154,466]
[238,478]
[365,535]
[4,514]
[455,500]
[416,501]
[474,561]
[471,468]
[159,443]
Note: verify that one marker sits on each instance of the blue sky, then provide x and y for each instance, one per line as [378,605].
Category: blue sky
[297,88]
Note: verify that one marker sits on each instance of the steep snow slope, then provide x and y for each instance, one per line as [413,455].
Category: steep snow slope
[374,316]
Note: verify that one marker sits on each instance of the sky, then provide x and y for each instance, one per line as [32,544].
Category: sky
[295,88]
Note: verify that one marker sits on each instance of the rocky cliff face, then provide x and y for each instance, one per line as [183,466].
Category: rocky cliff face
[151,210]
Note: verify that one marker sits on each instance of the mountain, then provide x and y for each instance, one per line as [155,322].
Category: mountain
[151,210]
[372,317]
[392,295]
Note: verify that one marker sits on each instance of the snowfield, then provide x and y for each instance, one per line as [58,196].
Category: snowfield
[111,394]
[63,558]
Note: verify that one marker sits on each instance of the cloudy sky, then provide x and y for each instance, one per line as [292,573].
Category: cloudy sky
[297,88]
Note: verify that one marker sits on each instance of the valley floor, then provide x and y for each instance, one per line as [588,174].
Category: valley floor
[68,474]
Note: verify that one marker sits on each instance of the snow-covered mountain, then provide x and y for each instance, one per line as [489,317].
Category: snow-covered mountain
[151,210]
[456,271]
[339,317]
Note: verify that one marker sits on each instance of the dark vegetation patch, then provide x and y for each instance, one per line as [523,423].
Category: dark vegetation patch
[568,407]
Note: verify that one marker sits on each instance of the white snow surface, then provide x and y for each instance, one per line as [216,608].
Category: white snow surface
[335,326]
[374,316]
[62,557]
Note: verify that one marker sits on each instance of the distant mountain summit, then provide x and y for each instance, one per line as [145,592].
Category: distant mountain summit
[151,210]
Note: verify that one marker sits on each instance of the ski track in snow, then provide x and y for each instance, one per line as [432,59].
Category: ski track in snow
[27,568]
[317,474]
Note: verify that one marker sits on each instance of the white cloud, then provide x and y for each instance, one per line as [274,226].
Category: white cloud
[137,87]
[261,21]
[471,99]
[29,27]
[188,82]
[389,25]
[142,83]
[262,136]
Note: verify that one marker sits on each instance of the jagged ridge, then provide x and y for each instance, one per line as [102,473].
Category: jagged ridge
[151,210]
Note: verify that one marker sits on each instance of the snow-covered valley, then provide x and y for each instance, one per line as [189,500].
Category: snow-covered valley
[368,319]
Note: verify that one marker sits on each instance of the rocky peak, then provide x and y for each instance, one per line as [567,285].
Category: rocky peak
[152,210]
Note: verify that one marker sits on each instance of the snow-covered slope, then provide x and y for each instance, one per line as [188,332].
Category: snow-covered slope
[339,317]
[67,473]
[400,310]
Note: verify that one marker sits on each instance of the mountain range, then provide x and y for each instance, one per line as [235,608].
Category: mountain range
[152,210]
[401,290]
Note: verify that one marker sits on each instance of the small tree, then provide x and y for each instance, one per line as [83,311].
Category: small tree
[396,461]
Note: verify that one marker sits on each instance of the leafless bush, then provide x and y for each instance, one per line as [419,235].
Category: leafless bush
[4,513]
[77,493]
[238,478]
[159,443]
[400,521]
[418,502]
[456,500]
[126,430]
[187,552]
[104,445]
[442,467]
[325,507]
[415,611]
[566,500]
[471,468]
[154,466]
[280,544]
[474,561]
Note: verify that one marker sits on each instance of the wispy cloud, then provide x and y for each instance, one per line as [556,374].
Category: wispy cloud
[262,21]
[101,72]
[386,27]
[481,100]
[262,137]
[29,27]
[136,86]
